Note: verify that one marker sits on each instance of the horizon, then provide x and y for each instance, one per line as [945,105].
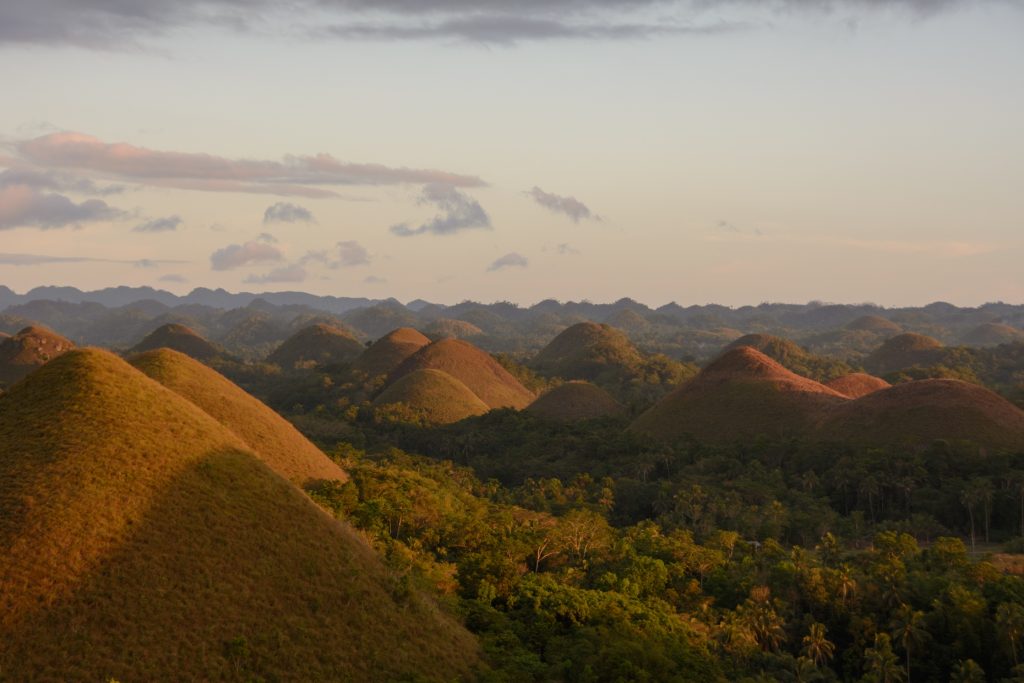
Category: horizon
[708,151]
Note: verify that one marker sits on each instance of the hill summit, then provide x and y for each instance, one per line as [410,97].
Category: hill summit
[434,395]
[388,352]
[588,351]
[317,344]
[180,338]
[27,350]
[143,540]
[857,384]
[904,351]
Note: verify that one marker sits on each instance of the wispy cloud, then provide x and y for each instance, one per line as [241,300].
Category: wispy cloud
[569,206]
[196,171]
[510,260]
[565,249]
[173,277]
[283,212]
[237,255]
[44,259]
[55,181]
[292,273]
[458,212]
[345,254]
[165,224]
[374,280]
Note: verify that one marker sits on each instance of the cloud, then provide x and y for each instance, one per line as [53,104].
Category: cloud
[55,181]
[23,206]
[510,260]
[173,277]
[459,212]
[374,280]
[565,249]
[292,273]
[194,171]
[237,255]
[283,212]
[43,259]
[266,237]
[345,254]
[165,224]
[570,206]
[733,229]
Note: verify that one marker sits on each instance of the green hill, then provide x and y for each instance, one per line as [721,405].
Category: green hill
[904,351]
[143,541]
[316,345]
[180,338]
[588,351]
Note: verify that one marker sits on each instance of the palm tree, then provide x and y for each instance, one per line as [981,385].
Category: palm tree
[908,631]
[881,663]
[817,647]
[1010,622]
[967,671]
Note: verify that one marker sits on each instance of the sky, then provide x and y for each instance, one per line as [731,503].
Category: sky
[694,151]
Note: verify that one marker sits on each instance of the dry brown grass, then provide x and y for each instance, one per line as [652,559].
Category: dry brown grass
[484,376]
[447,328]
[857,384]
[268,434]
[435,395]
[576,401]
[388,352]
[144,541]
[741,395]
[317,344]
[27,350]
[180,338]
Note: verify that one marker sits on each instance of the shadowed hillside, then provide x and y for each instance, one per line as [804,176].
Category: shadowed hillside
[316,345]
[388,352]
[588,351]
[992,334]
[268,434]
[576,401]
[484,376]
[741,395]
[857,384]
[25,351]
[433,395]
[180,338]
[904,351]
[874,323]
[923,411]
[144,541]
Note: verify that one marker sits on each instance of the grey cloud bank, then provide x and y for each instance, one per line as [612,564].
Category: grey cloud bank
[283,212]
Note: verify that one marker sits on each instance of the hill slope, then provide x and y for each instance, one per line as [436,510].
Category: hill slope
[27,350]
[874,323]
[576,401]
[923,411]
[388,352]
[588,351]
[268,434]
[317,344]
[143,541]
[434,394]
[857,384]
[484,376]
[904,351]
[741,395]
[180,338]
[992,334]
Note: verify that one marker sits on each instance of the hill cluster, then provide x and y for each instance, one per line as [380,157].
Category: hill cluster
[28,349]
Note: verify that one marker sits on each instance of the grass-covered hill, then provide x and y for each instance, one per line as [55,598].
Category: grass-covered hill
[740,396]
[388,352]
[874,323]
[444,328]
[992,334]
[28,349]
[793,357]
[475,368]
[904,351]
[268,434]
[433,396]
[589,351]
[576,400]
[857,384]
[316,345]
[180,338]
[923,411]
[144,541]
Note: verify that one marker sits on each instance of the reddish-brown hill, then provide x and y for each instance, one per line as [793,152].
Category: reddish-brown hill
[315,345]
[143,541]
[433,395]
[388,352]
[926,410]
[27,350]
[447,328]
[268,434]
[741,395]
[179,338]
[857,384]
[576,401]
[484,376]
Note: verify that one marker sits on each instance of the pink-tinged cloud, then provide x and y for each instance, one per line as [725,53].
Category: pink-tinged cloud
[214,173]
[237,255]
[24,206]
